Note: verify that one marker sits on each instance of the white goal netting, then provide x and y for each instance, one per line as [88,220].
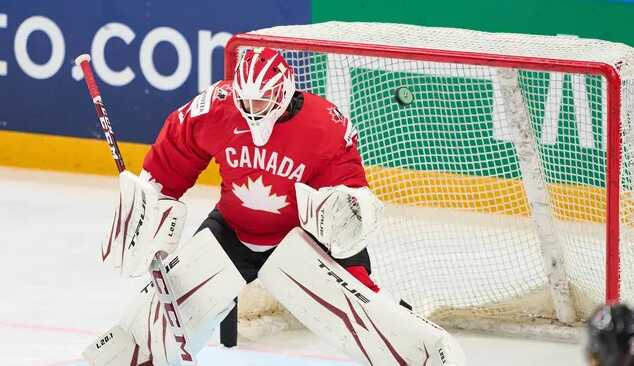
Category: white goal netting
[494,177]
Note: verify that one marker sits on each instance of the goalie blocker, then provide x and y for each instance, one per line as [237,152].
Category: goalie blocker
[368,326]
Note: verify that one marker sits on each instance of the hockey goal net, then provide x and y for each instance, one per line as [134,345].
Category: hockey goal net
[503,159]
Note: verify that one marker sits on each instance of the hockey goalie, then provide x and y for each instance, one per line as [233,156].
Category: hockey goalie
[295,211]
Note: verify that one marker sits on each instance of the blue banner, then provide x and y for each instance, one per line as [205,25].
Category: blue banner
[149,57]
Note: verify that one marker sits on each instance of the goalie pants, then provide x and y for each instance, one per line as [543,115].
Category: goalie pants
[249,262]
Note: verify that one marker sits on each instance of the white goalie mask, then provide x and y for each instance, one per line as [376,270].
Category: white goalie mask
[263,86]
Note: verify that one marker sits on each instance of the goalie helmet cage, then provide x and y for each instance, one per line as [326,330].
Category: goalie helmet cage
[503,159]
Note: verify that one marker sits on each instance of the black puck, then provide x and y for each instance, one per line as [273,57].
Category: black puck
[404,96]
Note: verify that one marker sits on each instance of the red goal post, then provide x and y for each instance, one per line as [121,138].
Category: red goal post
[285,38]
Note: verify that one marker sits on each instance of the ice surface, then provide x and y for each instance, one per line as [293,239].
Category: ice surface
[57,297]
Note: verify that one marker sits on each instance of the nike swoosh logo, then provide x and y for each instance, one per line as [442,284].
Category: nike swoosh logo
[237,132]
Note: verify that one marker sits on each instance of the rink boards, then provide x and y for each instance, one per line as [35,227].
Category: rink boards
[398,186]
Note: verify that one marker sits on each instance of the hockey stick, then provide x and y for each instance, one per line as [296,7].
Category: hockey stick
[161,280]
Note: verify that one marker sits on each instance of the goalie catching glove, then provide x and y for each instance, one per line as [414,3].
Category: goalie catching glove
[145,222]
[340,217]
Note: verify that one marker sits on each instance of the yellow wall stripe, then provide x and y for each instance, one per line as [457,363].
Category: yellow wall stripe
[486,194]
[72,154]
[398,186]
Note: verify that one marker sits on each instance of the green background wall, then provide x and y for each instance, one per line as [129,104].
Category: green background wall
[609,20]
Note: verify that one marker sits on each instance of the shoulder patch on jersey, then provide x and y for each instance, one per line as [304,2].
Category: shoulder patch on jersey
[221,92]
[336,115]
[202,102]
[351,132]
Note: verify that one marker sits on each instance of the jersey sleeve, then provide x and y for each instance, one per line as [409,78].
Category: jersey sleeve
[176,158]
[345,166]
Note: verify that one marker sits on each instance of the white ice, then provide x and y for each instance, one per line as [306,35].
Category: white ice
[57,297]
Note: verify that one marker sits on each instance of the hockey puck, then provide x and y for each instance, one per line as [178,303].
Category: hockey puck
[404,96]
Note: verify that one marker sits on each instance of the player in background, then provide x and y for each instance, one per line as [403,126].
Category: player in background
[287,159]
[611,336]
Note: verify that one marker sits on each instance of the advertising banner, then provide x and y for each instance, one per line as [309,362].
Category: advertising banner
[149,58]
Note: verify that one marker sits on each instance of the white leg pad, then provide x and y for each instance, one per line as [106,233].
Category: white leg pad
[368,326]
[115,347]
[205,283]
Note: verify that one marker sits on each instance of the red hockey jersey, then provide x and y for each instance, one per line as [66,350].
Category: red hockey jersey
[316,146]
